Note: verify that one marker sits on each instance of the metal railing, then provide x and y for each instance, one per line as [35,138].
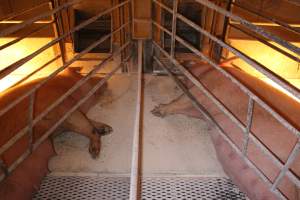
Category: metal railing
[253,98]
[32,120]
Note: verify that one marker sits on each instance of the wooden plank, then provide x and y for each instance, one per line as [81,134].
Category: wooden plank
[142,15]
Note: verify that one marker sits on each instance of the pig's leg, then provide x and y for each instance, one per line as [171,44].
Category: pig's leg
[103,129]
[79,123]
[181,105]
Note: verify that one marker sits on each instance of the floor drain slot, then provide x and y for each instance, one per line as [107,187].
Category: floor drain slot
[154,188]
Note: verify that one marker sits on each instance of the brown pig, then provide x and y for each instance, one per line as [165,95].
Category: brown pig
[26,178]
[264,127]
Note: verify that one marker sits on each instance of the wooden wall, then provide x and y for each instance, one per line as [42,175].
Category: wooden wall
[142,19]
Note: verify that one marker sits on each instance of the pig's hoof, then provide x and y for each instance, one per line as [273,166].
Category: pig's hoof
[157,111]
[105,130]
[94,151]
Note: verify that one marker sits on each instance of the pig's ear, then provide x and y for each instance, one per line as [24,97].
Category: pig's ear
[76,69]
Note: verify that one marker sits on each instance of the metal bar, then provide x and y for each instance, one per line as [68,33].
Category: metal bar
[16,163]
[267,43]
[269,18]
[25,36]
[21,62]
[46,135]
[277,116]
[273,158]
[294,2]
[17,27]
[249,124]
[274,77]
[35,71]
[174,27]
[13,15]
[3,168]
[91,92]
[21,133]
[257,142]
[88,49]
[251,26]
[226,20]
[201,109]
[218,103]
[30,120]
[59,30]
[135,157]
[163,6]
[293,155]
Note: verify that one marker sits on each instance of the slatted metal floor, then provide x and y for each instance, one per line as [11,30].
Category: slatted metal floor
[153,188]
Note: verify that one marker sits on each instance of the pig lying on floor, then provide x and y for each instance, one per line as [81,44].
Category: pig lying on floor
[267,129]
[26,178]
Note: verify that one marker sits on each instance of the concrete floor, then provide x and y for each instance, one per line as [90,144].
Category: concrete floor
[172,145]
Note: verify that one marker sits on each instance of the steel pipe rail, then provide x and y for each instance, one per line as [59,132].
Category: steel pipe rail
[258,100]
[21,133]
[24,60]
[283,52]
[35,71]
[135,158]
[77,105]
[22,12]
[284,168]
[246,129]
[274,77]
[251,26]
[277,116]
[25,36]
[268,18]
[82,53]
[17,27]
[195,81]
[206,114]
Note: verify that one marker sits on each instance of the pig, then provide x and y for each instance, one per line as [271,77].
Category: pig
[23,181]
[264,127]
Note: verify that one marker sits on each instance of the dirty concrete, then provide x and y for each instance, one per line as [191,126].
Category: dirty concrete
[172,145]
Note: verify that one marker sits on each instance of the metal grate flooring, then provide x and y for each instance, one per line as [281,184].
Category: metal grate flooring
[154,188]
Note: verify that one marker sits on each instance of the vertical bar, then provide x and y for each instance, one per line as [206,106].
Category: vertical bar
[174,26]
[226,23]
[111,27]
[4,168]
[134,178]
[287,165]
[249,124]
[59,29]
[30,121]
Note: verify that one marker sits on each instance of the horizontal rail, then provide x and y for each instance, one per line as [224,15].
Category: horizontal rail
[21,133]
[75,107]
[79,55]
[271,19]
[294,2]
[206,114]
[226,111]
[17,27]
[24,60]
[35,71]
[135,158]
[22,12]
[25,36]
[195,81]
[283,52]
[251,26]
[277,116]
[274,77]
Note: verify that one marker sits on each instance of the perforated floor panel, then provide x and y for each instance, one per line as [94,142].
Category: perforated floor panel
[117,188]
